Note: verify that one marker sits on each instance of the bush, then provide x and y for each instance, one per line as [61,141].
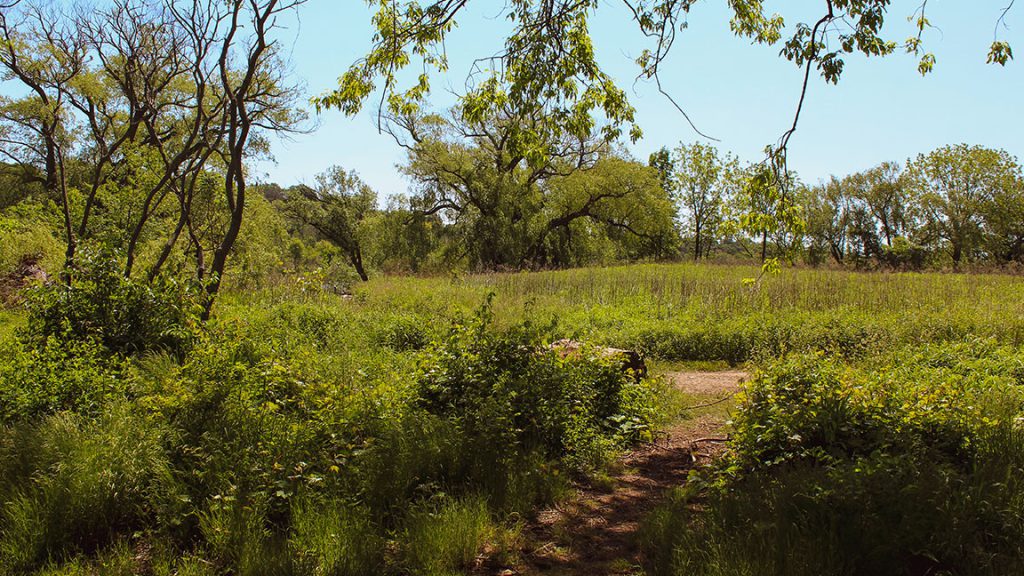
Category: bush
[905,255]
[56,376]
[126,316]
[403,333]
[507,388]
[905,465]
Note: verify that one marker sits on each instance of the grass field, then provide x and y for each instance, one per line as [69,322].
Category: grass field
[708,313]
[304,432]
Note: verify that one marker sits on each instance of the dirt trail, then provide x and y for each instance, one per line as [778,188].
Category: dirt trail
[595,532]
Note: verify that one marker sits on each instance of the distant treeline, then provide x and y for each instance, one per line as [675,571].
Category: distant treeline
[957,205]
[953,206]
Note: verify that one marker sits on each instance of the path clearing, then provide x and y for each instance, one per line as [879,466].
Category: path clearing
[595,532]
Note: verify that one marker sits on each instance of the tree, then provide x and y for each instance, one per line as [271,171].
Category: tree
[336,209]
[618,199]
[402,239]
[44,55]
[257,99]
[955,184]
[662,162]
[884,192]
[700,180]
[1004,221]
[150,98]
[765,206]
[470,173]
[827,218]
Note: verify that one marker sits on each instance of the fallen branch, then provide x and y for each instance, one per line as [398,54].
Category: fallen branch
[698,440]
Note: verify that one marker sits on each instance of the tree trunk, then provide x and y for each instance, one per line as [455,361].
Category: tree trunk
[958,254]
[696,244]
[356,258]
[165,252]
[235,184]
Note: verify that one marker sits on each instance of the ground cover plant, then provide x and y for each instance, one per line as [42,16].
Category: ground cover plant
[903,463]
[303,437]
[305,432]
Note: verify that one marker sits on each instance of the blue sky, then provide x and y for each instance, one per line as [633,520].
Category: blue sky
[742,94]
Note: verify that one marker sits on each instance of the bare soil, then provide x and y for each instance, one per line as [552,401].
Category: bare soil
[595,532]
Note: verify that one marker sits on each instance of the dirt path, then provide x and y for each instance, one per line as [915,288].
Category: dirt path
[595,532]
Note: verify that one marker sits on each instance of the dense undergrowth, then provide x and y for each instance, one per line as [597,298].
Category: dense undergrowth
[409,428]
[909,463]
[293,439]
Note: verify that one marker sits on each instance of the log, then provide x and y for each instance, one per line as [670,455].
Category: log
[630,361]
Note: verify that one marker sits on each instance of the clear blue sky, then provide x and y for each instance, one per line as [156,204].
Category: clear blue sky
[742,94]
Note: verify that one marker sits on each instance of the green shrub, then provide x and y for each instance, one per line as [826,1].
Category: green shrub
[507,388]
[56,375]
[403,333]
[125,315]
[241,426]
[906,464]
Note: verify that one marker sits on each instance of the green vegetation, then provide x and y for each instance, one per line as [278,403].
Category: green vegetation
[903,463]
[332,417]
[308,435]
[305,432]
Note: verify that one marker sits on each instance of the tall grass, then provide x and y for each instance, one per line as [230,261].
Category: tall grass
[397,430]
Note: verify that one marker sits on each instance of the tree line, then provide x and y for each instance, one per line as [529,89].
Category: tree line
[955,205]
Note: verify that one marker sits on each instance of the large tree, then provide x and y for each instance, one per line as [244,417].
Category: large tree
[337,208]
[701,180]
[1004,221]
[956,184]
[509,209]
[827,214]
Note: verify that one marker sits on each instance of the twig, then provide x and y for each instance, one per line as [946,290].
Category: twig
[698,440]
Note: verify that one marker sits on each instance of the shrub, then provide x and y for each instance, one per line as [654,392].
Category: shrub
[909,464]
[905,255]
[56,375]
[403,333]
[25,233]
[126,316]
[507,388]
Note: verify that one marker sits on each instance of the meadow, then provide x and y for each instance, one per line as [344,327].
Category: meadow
[415,425]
